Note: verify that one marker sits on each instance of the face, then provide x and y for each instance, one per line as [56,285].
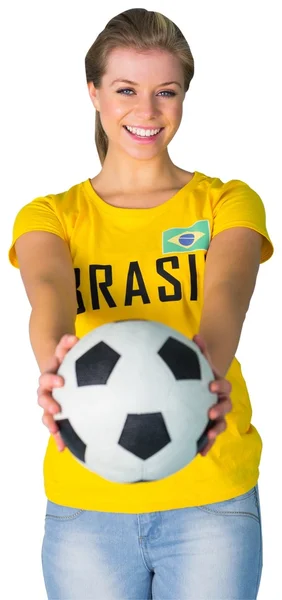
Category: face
[142,91]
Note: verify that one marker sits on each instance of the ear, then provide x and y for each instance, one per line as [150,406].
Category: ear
[94,95]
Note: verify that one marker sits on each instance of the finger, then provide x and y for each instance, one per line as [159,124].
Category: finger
[220,386]
[219,426]
[225,404]
[47,402]
[60,444]
[47,381]
[220,409]
[54,430]
[207,448]
[65,344]
[49,422]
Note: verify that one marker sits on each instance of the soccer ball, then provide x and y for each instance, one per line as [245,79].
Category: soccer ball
[135,402]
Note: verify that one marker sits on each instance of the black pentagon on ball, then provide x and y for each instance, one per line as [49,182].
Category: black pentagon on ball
[144,434]
[71,439]
[95,366]
[180,359]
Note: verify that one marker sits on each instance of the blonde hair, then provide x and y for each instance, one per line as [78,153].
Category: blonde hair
[141,30]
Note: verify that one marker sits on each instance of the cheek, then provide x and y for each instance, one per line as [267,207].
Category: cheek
[176,112]
[172,111]
[111,115]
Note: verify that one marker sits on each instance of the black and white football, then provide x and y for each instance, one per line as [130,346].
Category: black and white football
[135,402]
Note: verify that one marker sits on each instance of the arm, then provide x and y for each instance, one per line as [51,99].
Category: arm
[232,266]
[48,276]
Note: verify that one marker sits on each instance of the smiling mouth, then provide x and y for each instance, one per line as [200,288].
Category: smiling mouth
[143,133]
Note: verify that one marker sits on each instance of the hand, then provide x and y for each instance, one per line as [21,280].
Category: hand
[223,388]
[47,381]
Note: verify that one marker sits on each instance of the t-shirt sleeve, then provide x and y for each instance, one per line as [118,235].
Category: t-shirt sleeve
[238,205]
[38,215]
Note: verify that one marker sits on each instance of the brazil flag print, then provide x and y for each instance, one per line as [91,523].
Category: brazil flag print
[186,239]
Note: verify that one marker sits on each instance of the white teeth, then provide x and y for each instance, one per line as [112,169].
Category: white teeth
[143,132]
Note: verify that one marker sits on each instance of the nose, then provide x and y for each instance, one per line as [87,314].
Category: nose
[146,107]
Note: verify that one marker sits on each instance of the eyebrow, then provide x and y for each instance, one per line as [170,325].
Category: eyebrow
[135,83]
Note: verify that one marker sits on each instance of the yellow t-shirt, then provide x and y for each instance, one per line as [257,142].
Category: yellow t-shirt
[150,264]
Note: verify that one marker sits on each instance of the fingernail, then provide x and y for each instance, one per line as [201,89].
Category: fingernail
[214,387]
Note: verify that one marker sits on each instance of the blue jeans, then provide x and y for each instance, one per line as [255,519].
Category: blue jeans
[209,552]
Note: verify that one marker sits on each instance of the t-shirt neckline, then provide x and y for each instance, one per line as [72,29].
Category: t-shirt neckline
[138,212]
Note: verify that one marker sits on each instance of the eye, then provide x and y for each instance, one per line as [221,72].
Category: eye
[124,90]
[170,94]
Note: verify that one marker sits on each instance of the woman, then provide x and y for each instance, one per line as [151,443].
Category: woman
[146,239]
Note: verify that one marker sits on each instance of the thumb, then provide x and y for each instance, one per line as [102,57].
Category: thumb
[199,340]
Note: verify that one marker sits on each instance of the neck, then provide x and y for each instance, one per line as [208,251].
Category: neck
[128,175]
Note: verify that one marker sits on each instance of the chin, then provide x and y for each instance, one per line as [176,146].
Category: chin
[144,152]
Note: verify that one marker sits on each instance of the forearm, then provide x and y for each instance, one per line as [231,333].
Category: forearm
[52,316]
[221,325]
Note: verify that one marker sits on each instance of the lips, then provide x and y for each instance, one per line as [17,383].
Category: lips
[148,137]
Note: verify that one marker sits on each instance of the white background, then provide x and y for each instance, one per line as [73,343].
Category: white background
[231,129]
